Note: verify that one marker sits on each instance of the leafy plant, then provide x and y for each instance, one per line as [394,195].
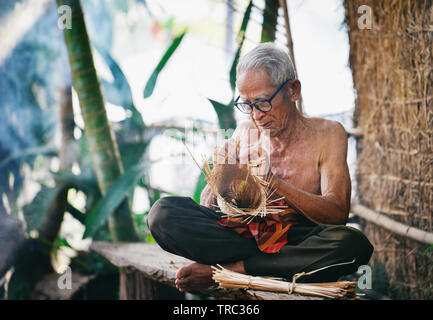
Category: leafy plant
[99,135]
[112,199]
[32,83]
[150,85]
[119,92]
[225,112]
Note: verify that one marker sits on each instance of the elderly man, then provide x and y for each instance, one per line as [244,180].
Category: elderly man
[307,159]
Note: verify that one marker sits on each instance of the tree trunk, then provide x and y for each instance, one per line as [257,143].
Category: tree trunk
[98,131]
[50,226]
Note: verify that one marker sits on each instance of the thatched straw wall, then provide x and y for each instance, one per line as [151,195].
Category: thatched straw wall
[392,70]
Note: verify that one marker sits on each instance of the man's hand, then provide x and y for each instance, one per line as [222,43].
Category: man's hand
[260,166]
[257,158]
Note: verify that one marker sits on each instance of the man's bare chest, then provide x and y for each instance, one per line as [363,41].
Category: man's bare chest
[299,166]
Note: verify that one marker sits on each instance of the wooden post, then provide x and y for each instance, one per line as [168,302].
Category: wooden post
[135,286]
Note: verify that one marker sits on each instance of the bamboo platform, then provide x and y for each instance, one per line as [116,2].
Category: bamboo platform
[147,270]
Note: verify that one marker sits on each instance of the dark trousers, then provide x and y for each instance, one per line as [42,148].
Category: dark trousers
[183,227]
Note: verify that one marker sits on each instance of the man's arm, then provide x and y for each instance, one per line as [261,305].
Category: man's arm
[332,206]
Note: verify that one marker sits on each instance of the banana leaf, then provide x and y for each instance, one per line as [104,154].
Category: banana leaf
[150,85]
[119,92]
[113,197]
[225,113]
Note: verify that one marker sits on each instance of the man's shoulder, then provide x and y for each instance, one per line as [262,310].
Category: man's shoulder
[332,139]
[329,128]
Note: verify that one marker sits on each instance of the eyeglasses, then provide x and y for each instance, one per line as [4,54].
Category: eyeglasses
[263,105]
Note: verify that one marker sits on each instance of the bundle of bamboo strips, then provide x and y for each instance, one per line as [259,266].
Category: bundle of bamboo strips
[332,290]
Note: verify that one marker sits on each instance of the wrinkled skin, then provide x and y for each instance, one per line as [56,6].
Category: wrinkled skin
[307,158]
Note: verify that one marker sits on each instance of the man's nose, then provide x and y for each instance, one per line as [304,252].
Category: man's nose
[257,114]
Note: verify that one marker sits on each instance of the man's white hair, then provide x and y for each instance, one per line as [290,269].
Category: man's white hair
[270,58]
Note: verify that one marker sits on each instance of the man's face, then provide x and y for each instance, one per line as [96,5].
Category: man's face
[256,85]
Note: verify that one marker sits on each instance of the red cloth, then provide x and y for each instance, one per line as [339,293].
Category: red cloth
[269,232]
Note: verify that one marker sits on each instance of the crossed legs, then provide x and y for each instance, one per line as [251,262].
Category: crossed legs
[183,227]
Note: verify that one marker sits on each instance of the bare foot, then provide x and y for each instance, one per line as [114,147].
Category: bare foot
[198,276]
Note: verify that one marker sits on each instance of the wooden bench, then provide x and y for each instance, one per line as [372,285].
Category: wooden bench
[149,272]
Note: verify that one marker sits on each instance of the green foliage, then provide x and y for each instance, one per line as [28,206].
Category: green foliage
[90,263]
[97,208]
[77,214]
[35,212]
[225,112]
[226,119]
[150,85]
[201,183]
[429,292]
[132,153]
[32,264]
[428,249]
[270,15]
[241,39]
[113,197]
[99,134]
[119,92]
[87,184]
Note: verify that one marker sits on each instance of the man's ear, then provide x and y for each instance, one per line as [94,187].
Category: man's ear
[294,89]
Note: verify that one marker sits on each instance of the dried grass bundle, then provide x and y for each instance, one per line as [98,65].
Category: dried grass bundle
[332,290]
[393,77]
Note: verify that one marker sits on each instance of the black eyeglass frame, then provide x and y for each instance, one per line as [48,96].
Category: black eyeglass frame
[254,104]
